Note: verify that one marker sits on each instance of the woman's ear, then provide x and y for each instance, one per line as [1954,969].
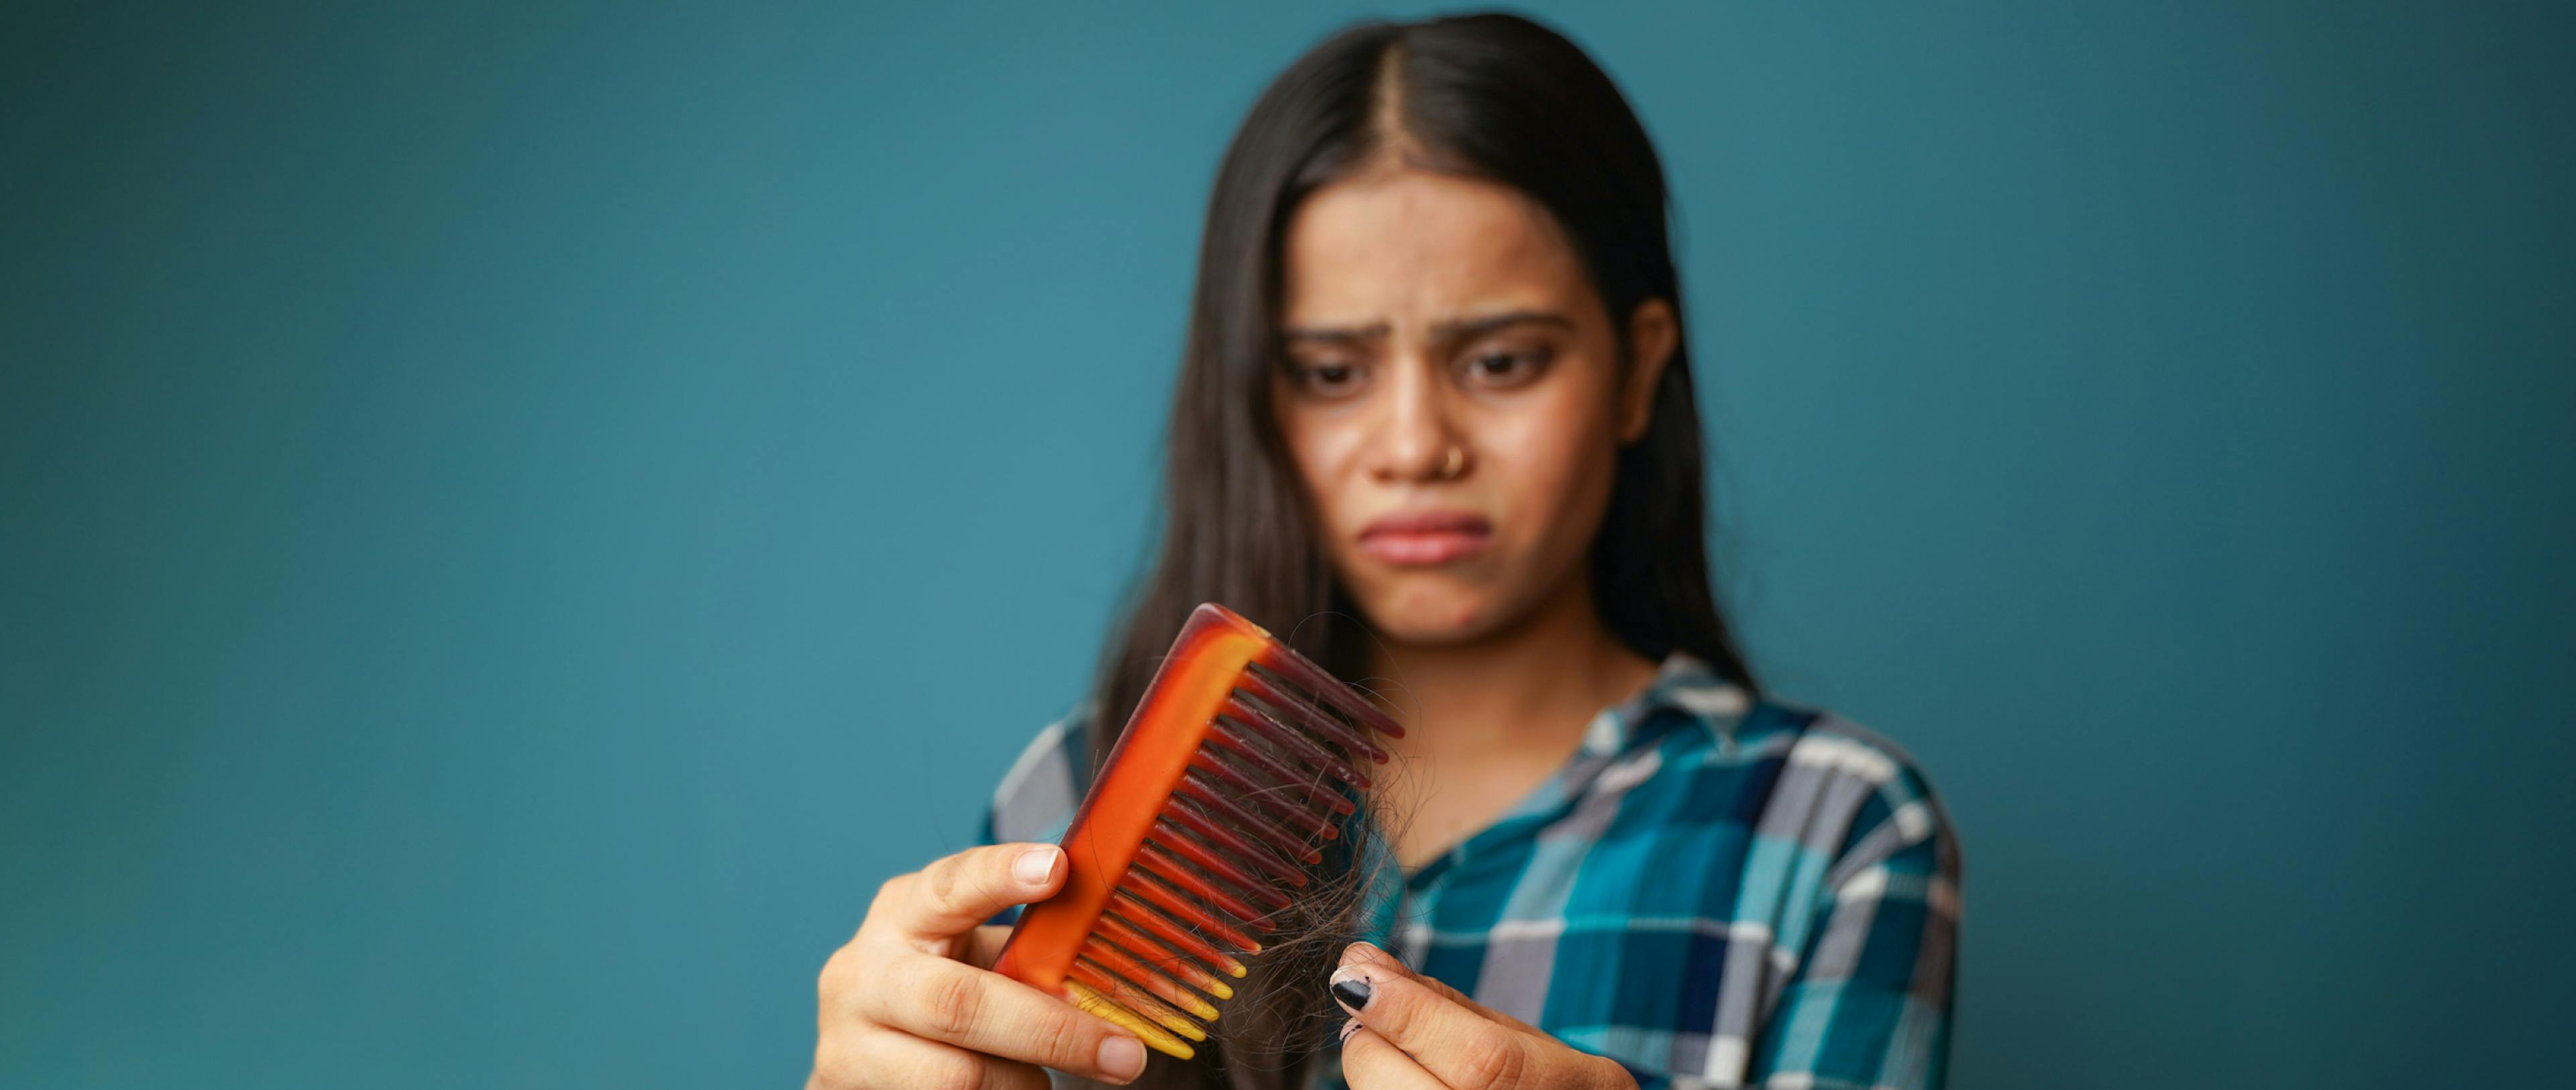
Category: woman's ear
[1654,332]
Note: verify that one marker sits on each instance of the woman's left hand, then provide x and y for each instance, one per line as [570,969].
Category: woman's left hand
[1410,1032]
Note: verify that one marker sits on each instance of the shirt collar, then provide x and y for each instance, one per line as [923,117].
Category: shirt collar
[1683,692]
[1683,684]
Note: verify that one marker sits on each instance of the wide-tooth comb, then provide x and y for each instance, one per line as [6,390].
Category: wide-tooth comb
[1239,765]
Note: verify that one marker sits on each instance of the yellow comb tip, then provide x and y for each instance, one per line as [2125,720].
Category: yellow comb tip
[1218,989]
[1110,1010]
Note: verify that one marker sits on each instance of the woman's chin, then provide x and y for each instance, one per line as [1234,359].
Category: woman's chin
[1434,620]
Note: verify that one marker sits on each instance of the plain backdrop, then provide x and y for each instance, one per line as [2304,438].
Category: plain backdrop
[514,518]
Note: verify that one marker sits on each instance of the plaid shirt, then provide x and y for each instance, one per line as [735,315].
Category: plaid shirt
[1713,891]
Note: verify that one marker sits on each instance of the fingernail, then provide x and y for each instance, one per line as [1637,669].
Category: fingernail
[1122,1058]
[1034,865]
[1351,988]
[1348,1028]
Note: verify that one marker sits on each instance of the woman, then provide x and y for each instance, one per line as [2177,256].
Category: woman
[1436,421]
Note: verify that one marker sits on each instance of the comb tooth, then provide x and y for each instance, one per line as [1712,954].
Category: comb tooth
[1116,928]
[1290,738]
[1234,777]
[1123,964]
[1290,666]
[1272,795]
[1297,821]
[1171,870]
[1092,1002]
[1171,839]
[1108,982]
[1305,714]
[1302,794]
[1185,814]
[1242,783]
[1146,886]
[1127,909]
[1197,791]
[1232,738]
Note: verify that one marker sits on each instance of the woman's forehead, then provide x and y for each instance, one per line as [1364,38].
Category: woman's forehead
[1413,248]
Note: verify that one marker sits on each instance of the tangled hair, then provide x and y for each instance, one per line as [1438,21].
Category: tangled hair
[1488,96]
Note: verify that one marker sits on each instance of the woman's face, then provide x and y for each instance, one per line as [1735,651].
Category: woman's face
[1452,394]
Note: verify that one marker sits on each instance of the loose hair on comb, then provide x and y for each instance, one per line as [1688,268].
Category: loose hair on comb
[1490,96]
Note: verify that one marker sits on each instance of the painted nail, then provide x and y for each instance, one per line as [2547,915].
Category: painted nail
[1034,865]
[1348,1028]
[1123,1058]
[1351,988]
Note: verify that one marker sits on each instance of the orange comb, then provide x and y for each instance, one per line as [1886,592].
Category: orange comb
[1241,760]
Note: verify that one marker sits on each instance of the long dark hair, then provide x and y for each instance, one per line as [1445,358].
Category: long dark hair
[1490,96]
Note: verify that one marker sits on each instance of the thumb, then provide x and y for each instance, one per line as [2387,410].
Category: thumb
[1361,953]
[951,896]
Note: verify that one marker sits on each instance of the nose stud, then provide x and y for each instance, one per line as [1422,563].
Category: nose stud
[1452,461]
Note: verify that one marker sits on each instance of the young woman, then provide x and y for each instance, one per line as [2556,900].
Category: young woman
[1435,421]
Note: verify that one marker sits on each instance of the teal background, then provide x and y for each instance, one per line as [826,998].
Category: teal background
[515,517]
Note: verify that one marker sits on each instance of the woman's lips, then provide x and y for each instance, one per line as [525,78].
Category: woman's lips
[1426,537]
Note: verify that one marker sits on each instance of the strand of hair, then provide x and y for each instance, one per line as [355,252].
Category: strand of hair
[1136,970]
[1333,728]
[1164,897]
[1161,865]
[1198,791]
[1179,965]
[1307,795]
[1252,713]
[1171,839]
[1128,908]
[1283,662]
[1092,1000]
[1127,994]
[1184,813]
[1237,740]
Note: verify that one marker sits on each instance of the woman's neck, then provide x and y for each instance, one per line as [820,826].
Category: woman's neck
[1487,722]
[1534,686]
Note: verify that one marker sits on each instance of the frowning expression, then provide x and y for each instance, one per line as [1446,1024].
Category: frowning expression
[1452,391]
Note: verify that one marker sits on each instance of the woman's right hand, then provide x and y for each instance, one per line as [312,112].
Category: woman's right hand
[911,1001]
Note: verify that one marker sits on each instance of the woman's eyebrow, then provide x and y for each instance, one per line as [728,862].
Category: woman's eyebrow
[1455,329]
[1334,334]
[1463,328]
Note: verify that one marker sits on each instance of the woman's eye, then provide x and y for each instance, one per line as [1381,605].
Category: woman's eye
[1505,368]
[1328,379]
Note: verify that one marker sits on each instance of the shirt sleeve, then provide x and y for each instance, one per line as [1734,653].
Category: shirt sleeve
[1037,797]
[1869,1003]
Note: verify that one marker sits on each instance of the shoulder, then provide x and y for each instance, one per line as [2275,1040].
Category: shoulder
[1038,794]
[1825,795]
[1846,792]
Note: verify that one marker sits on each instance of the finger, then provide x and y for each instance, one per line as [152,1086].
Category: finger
[1369,1062]
[1464,1049]
[1361,952]
[983,946]
[884,1058]
[955,894]
[993,1014]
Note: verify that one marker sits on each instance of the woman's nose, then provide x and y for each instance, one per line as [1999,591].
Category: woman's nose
[1414,432]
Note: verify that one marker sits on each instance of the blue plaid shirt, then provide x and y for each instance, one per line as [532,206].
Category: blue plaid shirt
[1713,891]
